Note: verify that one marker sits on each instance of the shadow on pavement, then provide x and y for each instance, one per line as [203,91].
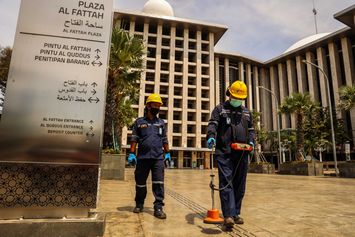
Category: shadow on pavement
[190,218]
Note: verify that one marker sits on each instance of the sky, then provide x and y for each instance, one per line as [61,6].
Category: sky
[260,29]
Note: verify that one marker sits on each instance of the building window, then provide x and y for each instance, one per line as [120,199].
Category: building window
[164,66]
[178,79]
[152,28]
[152,52]
[191,104]
[150,76]
[139,27]
[166,30]
[165,54]
[177,115]
[152,40]
[151,65]
[165,42]
[178,55]
[191,116]
[205,117]
[177,141]
[177,128]
[177,91]
[192,57]
[164,78]
[149,89]
[192,80]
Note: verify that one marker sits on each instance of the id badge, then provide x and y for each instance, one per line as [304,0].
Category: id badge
[228,120]
[160,131]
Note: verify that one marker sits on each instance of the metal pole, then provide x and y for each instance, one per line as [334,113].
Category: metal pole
[212,177]
[331,114]
[278,121]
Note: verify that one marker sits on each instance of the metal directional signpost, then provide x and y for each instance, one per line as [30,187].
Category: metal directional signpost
[50,131]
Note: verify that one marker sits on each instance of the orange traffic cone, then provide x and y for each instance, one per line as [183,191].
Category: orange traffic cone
[212,214]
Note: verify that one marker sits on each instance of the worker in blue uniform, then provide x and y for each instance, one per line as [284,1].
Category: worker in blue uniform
[231,122]
[150,134]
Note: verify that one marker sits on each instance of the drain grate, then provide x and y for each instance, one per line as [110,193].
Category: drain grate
[201,212]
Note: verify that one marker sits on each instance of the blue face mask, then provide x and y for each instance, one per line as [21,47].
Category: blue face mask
[236,103]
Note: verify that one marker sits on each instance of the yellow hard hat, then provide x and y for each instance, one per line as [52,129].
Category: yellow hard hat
[238,90]
[154,98]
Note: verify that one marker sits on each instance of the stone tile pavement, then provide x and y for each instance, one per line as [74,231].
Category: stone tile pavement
[274,205]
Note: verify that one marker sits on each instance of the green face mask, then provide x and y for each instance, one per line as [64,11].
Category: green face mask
[236,103]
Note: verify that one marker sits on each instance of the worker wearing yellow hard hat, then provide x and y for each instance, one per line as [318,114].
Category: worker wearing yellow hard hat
[230,131]
[154,98]
[149,132]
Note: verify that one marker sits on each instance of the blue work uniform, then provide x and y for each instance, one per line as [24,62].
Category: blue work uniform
[227,125]
[150,136]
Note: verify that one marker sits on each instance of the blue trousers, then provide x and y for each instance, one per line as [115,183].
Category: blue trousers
[232,196]
[144,166]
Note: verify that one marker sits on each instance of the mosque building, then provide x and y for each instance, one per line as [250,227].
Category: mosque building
[191,77]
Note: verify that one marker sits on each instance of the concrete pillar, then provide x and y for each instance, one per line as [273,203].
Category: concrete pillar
[273,88]
[241,71]
[213,87]
[301,75]
[292,85]
[198,88]
[256,91]
[158,58]
[335,73]
[265,100]
[207,158]
[250,88]
[132,25]
[141,102]
[180,159]
[322,63]
[124,136]
[170,114]
[283,91]
[312,77]
[226,75]
[348,59]
[185,88]
[217,79]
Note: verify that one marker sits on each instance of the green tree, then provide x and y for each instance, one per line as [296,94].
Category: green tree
[297,104]
[125,67]
[347,97]
[260,132]
[316,127]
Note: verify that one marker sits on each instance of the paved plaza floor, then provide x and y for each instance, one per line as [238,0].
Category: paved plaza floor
[274,205]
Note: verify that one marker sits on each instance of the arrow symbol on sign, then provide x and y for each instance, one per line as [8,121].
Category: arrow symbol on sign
[97,63]
[94,84]
[97,57]
[90,134]
[93,91]
[91,128]
[97,51]
[91,122]
[91,100]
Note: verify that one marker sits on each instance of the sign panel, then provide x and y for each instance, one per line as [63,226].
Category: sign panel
[55,96]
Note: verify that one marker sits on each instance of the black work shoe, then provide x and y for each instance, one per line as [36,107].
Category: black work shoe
[160,214]
[238,220]
[228,222]
[138,209]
